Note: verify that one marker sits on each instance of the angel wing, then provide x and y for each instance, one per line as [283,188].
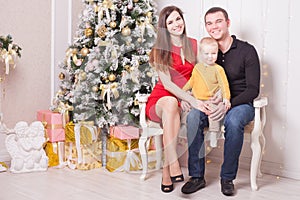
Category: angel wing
[11,145]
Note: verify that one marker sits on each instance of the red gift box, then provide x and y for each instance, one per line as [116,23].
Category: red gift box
[53,123]
[125,132]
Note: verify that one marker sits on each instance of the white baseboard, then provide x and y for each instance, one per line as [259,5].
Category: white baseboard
[4,156]
[266,167]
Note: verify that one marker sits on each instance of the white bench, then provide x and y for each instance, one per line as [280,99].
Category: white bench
[255,128]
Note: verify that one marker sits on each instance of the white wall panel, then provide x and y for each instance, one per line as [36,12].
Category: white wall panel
[276,56]
[291,164]
[273,28]
[192,19]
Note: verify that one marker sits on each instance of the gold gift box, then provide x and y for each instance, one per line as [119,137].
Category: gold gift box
[91,156]
[121,157]
[55,152]
[90,147]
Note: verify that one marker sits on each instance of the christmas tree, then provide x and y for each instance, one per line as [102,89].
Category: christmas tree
[107,64]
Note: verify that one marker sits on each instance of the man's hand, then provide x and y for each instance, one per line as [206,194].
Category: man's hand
[217,98]
[218,112]
[203,106]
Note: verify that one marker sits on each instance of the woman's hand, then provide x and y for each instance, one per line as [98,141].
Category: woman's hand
[185,106]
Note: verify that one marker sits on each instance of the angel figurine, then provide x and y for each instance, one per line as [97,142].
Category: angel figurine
[26,148]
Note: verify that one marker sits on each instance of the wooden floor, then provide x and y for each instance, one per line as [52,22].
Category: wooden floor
[98,184]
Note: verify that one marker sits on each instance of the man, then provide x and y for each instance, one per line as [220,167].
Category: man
[241,64]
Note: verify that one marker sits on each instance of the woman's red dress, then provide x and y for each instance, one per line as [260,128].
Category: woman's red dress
[180,74]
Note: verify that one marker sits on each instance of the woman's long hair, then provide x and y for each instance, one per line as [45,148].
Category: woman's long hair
[160,56]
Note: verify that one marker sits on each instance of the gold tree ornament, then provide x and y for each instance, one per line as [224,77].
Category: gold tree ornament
[83,76]
[149,74]
[95,88]
[126,31]
[135,1]
[149,14]
[112,24]
[102,31]
[112,77]
[88,32]
[103,78]
[107,4]
[61,76]
[84,51]
[127,67]
[140,40]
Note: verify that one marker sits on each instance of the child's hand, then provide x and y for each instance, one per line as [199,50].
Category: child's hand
[227,104]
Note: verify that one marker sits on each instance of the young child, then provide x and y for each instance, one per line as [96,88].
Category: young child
[209,78]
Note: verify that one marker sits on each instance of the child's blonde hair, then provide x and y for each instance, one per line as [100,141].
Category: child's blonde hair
[208,41]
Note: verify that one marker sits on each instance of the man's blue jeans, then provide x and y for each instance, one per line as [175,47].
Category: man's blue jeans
[234,121]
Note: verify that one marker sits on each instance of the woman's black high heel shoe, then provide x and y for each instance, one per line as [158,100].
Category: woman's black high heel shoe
[167,188]
[176,179]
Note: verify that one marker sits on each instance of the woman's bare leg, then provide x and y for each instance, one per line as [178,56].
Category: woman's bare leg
[167,109]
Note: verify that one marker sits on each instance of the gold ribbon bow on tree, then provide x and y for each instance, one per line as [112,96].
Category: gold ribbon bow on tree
[9,56]
[9,52]
[64,109]
[106,89]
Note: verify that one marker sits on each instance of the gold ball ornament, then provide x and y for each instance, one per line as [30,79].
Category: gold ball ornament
[88,32]
[95,88]
[103,78]
[112,77]
[83,76]
[135,1]
[113,24]
[127,67]
[84,51]
[61,76]
[140,40]
[149,74]
[149,14]
[126,31]
[60,93]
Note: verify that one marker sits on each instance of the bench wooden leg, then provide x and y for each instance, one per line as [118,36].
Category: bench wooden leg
[256,155]
[144,156]
[158,148]
[263,144]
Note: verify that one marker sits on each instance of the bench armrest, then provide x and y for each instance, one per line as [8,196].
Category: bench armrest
[260,102]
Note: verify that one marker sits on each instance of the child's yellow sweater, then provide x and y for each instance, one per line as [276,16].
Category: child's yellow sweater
[207,80]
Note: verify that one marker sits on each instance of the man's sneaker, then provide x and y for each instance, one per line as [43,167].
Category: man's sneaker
[227,187]
[192,185]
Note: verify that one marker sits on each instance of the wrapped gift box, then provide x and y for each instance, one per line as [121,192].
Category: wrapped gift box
[83,148]
[122,155]
[124,132]
[53,123]
[91,156]
[56,153]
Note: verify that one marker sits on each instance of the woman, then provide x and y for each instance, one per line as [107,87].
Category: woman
[173,56]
